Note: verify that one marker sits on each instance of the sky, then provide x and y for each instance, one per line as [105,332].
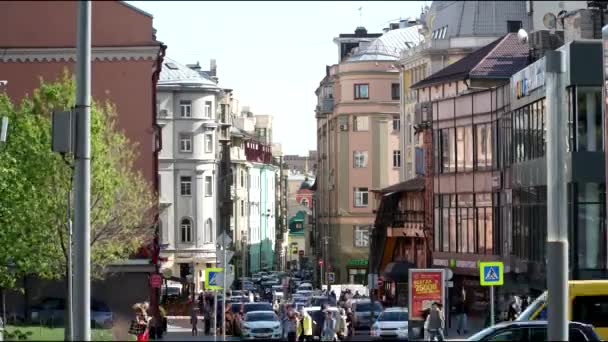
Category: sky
[272,54]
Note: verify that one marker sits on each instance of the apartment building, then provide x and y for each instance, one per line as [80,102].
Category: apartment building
[188,169]
[357,145]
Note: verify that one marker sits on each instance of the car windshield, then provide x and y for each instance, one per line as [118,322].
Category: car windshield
[393,316]
[367,307]
[533,308]
[261,316]
[258,307]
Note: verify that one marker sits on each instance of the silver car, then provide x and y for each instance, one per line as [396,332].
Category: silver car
[363,313]
[391,324]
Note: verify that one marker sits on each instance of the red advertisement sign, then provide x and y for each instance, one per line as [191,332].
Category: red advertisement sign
[425,289]
[156,280]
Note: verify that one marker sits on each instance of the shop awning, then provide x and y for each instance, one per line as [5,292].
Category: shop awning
[398,271]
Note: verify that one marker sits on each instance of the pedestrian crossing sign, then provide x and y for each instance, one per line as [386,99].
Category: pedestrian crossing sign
[491,273]
[212,278]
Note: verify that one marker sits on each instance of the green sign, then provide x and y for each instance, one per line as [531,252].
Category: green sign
[357,262]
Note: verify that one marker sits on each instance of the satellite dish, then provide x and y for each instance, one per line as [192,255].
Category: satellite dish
[550,21]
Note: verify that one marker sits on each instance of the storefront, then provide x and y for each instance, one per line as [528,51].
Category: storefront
[523,155]
[357,271]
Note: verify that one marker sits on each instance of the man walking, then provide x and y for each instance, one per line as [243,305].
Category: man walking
[461,313]
[305,326]
[435,323]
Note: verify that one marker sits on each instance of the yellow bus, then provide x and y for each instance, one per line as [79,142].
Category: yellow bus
[588,303]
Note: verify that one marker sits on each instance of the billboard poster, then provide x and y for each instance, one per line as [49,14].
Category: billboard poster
[426,288]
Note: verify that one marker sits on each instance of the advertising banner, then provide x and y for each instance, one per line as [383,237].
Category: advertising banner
[426,288]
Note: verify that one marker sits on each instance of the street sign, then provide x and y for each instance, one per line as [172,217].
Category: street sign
[491,273]
[220,257]
[212,278]
[224,240]
[331,277]
[448,274]
[156,281]
[229,280]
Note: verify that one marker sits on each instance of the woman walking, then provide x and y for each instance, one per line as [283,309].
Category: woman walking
[290,326]
[193,317]
[139,326]
[329,327]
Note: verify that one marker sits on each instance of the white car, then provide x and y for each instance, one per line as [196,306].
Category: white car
[262,325]
[305,287]
[304,293]
[392,324]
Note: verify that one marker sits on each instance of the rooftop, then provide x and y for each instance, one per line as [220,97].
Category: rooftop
[389,45]
[174,73]
[497,60]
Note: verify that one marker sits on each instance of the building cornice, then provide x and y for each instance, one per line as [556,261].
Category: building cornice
[123,53]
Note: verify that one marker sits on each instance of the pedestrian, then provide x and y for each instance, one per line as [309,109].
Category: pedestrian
[207,316]
[514,309]
[305,326]
[139,326]
[328,332]
[435,323]
[290,327]
[461,313]
[342,325]
[357,295]
[350,321]
[193,317]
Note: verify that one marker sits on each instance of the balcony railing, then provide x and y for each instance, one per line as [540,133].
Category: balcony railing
[400,218]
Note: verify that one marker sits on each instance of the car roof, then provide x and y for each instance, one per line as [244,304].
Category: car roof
[396,309]
[503,325]
[261,311]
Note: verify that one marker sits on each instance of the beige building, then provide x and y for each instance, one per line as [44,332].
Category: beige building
[358,145]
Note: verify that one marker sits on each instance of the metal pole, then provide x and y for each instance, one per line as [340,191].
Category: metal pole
[492,318]
[224,296]
[82,198]
[69,279]
[215,315]
[557,219]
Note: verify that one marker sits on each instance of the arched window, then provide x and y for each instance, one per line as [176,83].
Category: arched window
[304,202]
[209,231]
[186,230]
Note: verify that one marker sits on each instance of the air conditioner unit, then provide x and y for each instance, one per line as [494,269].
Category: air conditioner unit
[163,113]
[344,127]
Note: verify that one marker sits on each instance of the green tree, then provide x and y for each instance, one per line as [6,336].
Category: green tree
[34,182]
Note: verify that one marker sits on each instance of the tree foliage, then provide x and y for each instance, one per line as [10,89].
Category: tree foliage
[34,182]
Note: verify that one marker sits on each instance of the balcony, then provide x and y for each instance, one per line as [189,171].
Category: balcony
[327,105]
[401,218]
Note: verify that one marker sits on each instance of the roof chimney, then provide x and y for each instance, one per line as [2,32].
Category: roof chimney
[212,68]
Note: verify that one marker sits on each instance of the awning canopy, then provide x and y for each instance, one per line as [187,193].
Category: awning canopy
[398,271]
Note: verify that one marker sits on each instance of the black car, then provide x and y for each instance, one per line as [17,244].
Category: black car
[532,331]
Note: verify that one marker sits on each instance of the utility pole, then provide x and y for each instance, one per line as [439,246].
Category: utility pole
[557,219]
[82,156]
[70,312]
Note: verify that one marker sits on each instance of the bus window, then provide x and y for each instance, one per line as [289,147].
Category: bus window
[591,310]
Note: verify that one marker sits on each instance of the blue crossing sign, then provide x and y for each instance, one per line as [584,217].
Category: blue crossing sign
[491,273]
[212,278]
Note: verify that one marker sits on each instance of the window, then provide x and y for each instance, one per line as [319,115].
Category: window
[242,208]
[513,26]
[446,150]
[396,158]
[464,148]
[483,140]
[208,106]
[396,124]
[185,108]
[510,335]
[208,186]
[185,142]
[361,197]
[395,91]
[208,231]
[243,178]
[591,229]
[589,119]
[359,159]
[186,230]
[360,123]
[185,183]
[361,236]
[361,91]
[208,143]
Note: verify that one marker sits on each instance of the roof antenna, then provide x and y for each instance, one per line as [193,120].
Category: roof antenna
[361,16]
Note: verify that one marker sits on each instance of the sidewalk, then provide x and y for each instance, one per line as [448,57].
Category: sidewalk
[179,329]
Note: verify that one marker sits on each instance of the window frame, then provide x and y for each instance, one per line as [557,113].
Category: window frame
[396,159]
[208,186]
[185,139]
[208,142]
[185,109]
[361,194]
[396,123]
[208,236]
[357,155]
[357,87]
[185,183]
[208,113]
[395,91]
[186,231]
[361,236]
